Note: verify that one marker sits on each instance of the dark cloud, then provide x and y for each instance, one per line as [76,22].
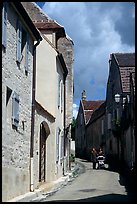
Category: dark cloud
[97,29]
[126,24]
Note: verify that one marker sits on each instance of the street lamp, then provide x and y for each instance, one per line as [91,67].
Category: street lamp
[117,98]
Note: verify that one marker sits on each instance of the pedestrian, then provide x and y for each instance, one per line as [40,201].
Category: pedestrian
[100,152]
[94,157]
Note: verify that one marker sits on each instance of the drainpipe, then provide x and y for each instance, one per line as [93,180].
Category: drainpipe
[33,116]
[64,79]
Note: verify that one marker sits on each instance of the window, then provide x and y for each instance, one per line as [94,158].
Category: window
[57,144]
[15,109]
[59,95]
[27,55]
[22,51]
[4,25]
[19,37]
[109,121]
[8,94]
[102,127]
[81,119]
[62,145]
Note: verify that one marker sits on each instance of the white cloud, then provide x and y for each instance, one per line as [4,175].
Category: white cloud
[75,110]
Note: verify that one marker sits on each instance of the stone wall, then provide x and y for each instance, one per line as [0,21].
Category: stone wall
[15,143]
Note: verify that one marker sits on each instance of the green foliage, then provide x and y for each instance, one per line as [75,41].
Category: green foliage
[72,158]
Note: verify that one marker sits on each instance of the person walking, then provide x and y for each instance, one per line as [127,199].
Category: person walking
[94,157]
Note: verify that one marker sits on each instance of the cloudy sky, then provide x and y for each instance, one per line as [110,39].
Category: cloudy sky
[97,29]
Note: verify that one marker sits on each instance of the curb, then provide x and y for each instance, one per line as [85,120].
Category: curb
[40,194]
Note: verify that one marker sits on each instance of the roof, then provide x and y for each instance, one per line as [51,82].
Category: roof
[22,12]
[41,20]
[126,63]
[125,59]
[89,107]
[98,112]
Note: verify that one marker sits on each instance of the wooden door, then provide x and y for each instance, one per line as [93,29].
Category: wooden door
[42,159]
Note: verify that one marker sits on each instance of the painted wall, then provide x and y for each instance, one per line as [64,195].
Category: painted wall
[46,77]
[49,70]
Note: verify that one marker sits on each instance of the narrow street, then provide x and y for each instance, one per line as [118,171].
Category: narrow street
[98,185]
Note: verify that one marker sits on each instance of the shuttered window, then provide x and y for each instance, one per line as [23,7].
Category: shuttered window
[62,145]
[102,127]
[81,119]
[109,121]
[59,80]
[27,55]
[61,96]
[4,25]
[57,145]
[15,109]
[19,39]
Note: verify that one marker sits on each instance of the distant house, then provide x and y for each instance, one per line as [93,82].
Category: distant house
[18,62]
[52,95]
[120,135]
[86,109]
[95,134]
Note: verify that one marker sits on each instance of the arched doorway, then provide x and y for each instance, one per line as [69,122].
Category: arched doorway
[44,132]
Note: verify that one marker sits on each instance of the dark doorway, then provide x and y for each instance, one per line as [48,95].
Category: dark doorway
[42,159]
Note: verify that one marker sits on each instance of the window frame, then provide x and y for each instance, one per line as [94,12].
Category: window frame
[15,109]
[4,25]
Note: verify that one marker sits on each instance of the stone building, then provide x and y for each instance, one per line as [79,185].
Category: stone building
[95,134]
[18,54]
[86,109]
[52,110]
[120,128]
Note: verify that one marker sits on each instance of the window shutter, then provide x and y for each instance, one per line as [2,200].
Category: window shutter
[15,109]
[59,92]
[27,54]
[57,145]
[62,145]
[19,36]
[102,127]
[61,97]
[81,119]
[109,121]
[4,25]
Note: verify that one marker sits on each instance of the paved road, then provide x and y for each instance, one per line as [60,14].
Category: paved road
[93,186]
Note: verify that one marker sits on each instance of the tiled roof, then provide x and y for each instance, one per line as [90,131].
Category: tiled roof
[98,112]
[35,12]
[87,115]
[89,107]
[125,59]
[41,19]
[126,63]
[125,77]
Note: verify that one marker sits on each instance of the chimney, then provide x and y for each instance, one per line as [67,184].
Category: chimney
[83,96]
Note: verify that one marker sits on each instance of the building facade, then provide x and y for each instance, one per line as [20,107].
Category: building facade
[17,76]
[120,136]
[95,134]
[51,93]
[82,138]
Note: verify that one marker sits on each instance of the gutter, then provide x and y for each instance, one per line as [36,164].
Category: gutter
[33,115]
